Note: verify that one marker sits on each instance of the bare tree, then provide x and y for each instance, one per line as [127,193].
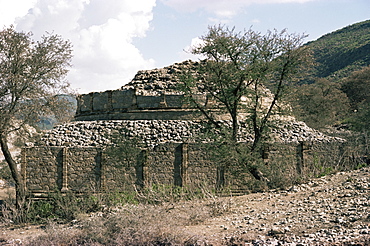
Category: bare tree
[237,70]
[31,75]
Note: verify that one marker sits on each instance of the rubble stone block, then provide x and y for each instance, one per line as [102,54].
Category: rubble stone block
[101,101]
[148,101]
[85,103]
[174,101]
[123,99]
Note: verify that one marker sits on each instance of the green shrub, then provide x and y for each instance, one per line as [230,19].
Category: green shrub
[62,207]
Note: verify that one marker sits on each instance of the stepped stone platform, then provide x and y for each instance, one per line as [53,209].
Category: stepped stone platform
[151,95]
[151,108]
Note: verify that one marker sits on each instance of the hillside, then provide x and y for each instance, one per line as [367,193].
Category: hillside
[340,52]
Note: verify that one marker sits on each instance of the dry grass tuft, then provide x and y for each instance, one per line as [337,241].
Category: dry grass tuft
[136,225]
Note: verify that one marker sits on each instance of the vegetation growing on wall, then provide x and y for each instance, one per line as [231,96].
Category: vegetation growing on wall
[239,67]
[269,61]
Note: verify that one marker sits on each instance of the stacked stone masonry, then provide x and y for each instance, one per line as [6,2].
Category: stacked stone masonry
[79,169]
[72,156]
[150,95]
[87,169]
[155,132]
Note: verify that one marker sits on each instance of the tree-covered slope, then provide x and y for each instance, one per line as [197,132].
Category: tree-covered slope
[343,51]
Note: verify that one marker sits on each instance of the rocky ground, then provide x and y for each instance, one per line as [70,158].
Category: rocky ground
[332,210]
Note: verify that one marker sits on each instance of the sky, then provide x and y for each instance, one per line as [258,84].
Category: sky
[113,39]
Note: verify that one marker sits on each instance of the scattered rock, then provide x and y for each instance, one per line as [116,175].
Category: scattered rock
[317,213]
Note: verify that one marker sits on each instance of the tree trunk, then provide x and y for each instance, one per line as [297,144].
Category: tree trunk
[257,174]
[19,186]
[235,127]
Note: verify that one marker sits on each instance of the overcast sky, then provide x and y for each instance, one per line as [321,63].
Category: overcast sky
[113,39]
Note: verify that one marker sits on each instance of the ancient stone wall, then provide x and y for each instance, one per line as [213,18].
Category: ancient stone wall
[42,168]
[127,105]
[151,95]
[71,156]
[47,169]
[81,169]
[155,132]
[152,110]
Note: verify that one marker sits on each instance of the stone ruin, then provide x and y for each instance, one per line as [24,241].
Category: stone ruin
[151,95]
[152,108]
[72,155]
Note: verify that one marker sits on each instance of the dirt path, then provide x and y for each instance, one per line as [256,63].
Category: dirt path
[332,209]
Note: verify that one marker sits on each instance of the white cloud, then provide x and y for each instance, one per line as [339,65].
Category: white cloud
[256,21]
[221,8]
[196,42]
[186,53]
[102,34]
[10,10]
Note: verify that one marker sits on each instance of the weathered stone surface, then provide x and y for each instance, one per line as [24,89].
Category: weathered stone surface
[123,99]
[153,110]
[149,90]
[85,102]
[89,169]
[155,132]
[101,101]
[174,101]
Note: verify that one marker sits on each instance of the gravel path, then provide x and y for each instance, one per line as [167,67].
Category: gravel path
[332,210]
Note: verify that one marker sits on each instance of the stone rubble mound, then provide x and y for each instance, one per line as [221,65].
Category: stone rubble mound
[161,80]
[154,132]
